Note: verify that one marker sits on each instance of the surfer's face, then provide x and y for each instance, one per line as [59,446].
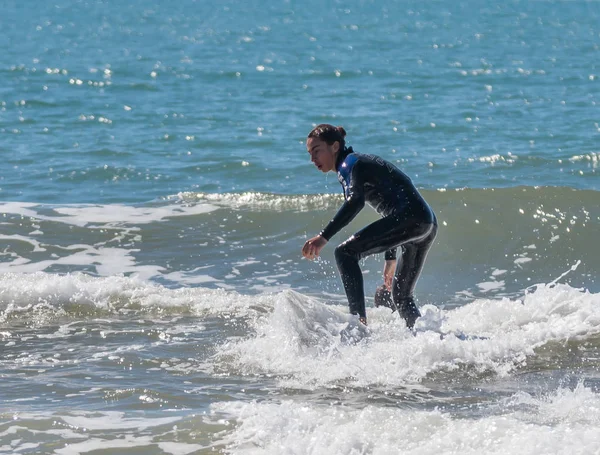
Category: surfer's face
[321,154]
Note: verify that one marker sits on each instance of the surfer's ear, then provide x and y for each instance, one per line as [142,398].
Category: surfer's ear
[336,147]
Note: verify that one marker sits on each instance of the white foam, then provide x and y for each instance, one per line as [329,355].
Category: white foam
[292,427]
[101,444]
[111,420]
[23,209]
[299,341]
[498,272]
[487,286]
[127,443]
[105,258]
[118,214]
[29,295]
[179,448]
[108,215]
[264,201]
[87,432]
[189,277]
[522,260]
[578,406]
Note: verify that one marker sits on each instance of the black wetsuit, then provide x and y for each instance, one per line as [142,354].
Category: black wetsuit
[407,221]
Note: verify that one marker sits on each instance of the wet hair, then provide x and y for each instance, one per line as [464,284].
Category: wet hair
[329,134]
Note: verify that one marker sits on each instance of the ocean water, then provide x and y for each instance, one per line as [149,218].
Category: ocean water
[155,192]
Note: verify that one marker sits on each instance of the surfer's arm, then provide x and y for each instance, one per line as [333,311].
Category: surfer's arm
[355,201]
[345,214]
[389,268]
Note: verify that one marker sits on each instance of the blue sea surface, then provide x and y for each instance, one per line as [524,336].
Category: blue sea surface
[113,102]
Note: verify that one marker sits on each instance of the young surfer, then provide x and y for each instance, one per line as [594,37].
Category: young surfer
[407,221]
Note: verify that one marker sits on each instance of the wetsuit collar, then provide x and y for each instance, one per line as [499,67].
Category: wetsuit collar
[342,156]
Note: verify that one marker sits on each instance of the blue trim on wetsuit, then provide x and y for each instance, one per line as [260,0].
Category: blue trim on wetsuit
[345,171]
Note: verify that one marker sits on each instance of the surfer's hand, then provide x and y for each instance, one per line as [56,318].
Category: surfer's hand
[388,273]
[313,247]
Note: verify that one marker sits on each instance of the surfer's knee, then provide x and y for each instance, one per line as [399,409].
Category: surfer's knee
[344,252]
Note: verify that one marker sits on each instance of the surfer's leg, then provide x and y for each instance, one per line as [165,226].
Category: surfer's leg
[375,238]
[347,256]
[408,269]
